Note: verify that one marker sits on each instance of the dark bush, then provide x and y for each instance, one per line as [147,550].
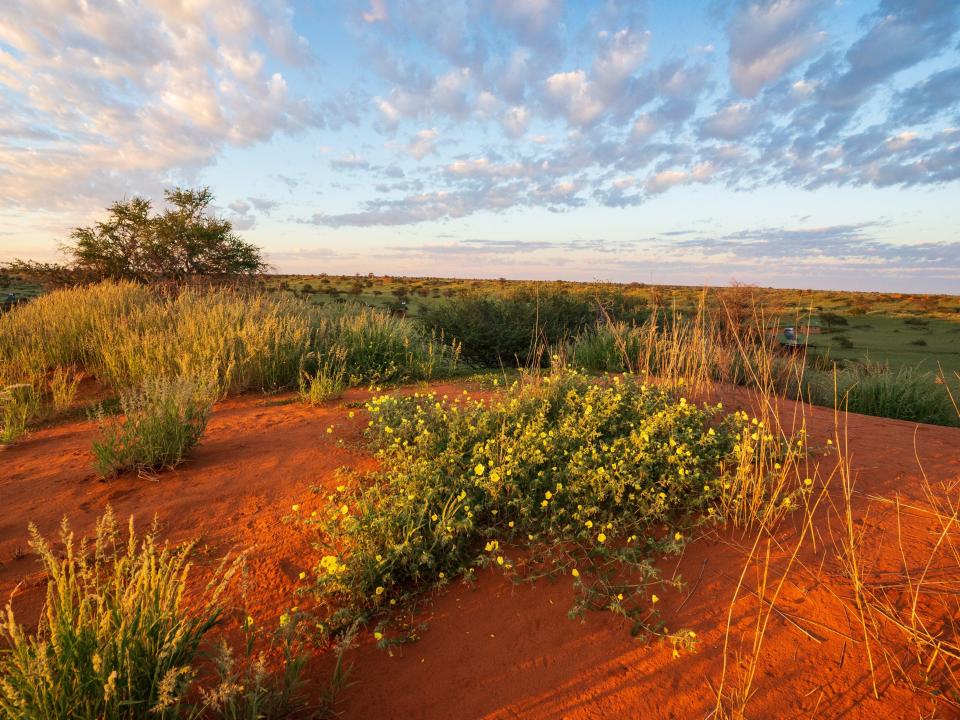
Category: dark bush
[506,330]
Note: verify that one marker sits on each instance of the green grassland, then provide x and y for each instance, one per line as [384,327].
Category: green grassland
[928,344]
[18,288]
[382,289]
[904,330]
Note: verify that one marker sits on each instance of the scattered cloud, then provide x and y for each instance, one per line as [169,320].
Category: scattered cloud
[769,38]
[128,95]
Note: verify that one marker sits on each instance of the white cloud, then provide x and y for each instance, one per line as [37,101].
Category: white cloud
[573,94]
[663,181]
[515,121]
[643,127]
[621,55]
[376,13]
[131,94]
[422,144]
[730,122]
[483,168]
[767,39]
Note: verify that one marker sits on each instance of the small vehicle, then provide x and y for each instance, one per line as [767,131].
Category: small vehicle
[11,300]
[788,339]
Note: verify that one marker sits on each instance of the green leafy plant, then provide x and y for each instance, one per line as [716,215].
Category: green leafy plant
[115,641]
[162,420]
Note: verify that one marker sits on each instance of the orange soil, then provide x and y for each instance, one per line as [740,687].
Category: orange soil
[499,650]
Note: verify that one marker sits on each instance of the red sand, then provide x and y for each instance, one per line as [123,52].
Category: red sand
[498,650]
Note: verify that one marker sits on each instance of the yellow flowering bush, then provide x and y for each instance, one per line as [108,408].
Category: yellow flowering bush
[603,471]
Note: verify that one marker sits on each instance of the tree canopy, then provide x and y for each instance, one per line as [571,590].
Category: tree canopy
[184,240]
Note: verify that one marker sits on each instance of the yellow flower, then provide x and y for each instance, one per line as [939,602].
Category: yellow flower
[295,508]
[302,575]
[808,482]
[344,509]
[510,524]
[379,590]
[601,537]
[678,536]
[575,572]
[589,524]
[499,559]
[378,636]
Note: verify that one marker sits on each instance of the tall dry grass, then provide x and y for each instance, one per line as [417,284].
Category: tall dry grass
[125,334]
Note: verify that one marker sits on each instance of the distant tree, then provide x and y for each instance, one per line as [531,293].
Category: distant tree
[184,240]
[832,320]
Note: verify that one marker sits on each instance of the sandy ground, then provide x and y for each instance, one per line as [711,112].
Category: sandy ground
[500,650]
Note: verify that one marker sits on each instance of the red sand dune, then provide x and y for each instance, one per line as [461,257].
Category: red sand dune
[499,650]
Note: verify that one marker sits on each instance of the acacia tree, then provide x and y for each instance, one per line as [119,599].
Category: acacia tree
[185,240]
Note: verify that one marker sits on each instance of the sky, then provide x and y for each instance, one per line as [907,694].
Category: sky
[787,143]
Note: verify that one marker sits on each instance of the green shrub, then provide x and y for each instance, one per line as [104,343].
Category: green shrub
[510,330]
[610,347]
[162,421]
[597,474]
[115,641]
[374,346]
[872,388]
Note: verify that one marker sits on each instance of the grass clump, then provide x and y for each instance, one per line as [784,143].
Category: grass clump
[63,385]
[873,388]
[162,421]
[19,403]
[326,382]
[592,476]
[115,640]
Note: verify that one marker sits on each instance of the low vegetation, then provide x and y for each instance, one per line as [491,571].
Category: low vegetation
[125,334]
[875,389]
[162,420]
[18,405]
[116,639]
[599,461]
[594,477]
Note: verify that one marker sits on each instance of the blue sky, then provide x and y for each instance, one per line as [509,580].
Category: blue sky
[798,143]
